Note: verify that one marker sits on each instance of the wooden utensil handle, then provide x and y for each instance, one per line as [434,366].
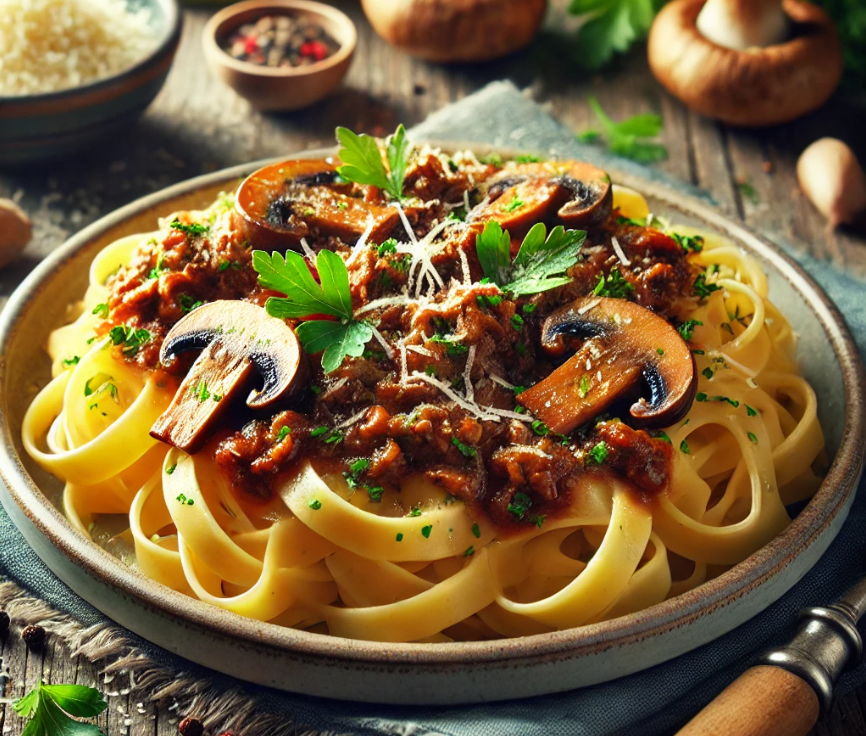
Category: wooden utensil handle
[763,701]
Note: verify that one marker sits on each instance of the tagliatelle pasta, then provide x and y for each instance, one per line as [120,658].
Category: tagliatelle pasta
[400,556]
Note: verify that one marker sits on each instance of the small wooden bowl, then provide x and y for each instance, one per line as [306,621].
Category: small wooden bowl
[284,88]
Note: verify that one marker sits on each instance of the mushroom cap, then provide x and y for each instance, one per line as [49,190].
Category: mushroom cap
[456,30]
[756,87]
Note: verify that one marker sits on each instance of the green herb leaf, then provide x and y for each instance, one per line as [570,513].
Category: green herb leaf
[50,707]
[702,289]
[192,231]
[305,298]
[520,504]
[425,531]
[598,454]
[627,138]
[753,438]
[101,310]
[315,504]
[542,261]
[465,449]
[750,411]
[689,243]
[363,164]
[493,246]
[687,329]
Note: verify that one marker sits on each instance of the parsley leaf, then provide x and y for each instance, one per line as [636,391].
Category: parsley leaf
[51,708]
[687,328]
[626,138]
[539,265]
[191,231]
[305,298]
[613,27]
[363,164]
[614,286]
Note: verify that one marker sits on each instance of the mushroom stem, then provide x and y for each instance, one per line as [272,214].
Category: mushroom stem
[744,24]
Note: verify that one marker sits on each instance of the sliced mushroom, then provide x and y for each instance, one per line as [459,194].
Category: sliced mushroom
[577,195]
[284,202]
[620,345]
[237,340]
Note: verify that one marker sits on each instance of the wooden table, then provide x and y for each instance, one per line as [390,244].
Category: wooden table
[197,125]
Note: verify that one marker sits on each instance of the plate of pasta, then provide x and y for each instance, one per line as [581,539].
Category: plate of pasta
[407,424]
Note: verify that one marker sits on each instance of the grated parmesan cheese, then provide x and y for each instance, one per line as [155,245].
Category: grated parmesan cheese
[52,45]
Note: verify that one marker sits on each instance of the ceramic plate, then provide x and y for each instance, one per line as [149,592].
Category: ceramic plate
[423,673]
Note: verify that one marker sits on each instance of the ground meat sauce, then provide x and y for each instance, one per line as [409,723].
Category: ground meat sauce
[518,472]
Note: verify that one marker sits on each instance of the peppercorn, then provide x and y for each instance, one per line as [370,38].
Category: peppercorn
[4,624]
[190,727]
[33,636]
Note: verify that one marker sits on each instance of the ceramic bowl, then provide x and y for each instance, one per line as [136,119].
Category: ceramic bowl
[40,127]
[284,88]
[314,664]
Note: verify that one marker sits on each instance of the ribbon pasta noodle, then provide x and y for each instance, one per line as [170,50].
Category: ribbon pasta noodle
[417,564]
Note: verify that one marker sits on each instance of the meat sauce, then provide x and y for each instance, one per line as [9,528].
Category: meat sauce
[518,472]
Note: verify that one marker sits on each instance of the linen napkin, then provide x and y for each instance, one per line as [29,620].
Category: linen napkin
[655,701]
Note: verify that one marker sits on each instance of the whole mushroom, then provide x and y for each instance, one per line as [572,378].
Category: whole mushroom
[15,231]
[456,30]
[746,62]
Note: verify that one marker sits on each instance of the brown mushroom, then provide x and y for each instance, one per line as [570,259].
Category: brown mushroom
[746,62]
[620,345]
[456,30]
[237,340]
[575,194]
[287,201]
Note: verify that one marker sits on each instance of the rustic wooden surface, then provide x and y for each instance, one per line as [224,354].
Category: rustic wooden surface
[197,126]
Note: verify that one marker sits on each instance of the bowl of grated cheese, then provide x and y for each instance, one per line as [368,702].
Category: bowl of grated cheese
[75,71]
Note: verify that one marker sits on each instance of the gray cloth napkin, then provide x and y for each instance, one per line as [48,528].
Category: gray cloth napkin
[655,701]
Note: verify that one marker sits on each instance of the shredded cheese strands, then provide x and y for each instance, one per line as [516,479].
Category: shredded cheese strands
[373,571]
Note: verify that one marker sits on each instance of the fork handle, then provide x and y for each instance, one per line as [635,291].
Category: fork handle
[763,701]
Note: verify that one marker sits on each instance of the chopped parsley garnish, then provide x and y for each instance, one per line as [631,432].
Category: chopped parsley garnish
[425,531]
[700,397]
[187,303]
[614,286]
[476,530]
[583,388]
[520,504]
[362,160]
[102,382]
[687,329]
[284,432]
[201,391]
[191,231]
[702,289]
[540,428]
[515,204]
[539,265]
[708,373]
[399,536]
[620,220]
[529,308]
[662,435]
[465,449]
[182,499]
[660,351]
[725,399]
[684,448]
[527,158]
[626,138]
[453,348]
[689,243]
[753,437]
[539,520]
[389,246]
[52,710]
[315,504]
[101,310]
[517,322]
[305,298]
[353,479]
[415,511]
[750,411]
[469,551]
[599,453]
[170,469]
[131,338]
[69,362]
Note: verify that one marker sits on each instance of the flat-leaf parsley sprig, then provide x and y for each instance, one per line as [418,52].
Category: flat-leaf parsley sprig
[628,138]
[362,160]
[305,299]
[539,265]
[50,709]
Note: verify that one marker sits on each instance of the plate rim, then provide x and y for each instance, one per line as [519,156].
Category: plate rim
[834,495]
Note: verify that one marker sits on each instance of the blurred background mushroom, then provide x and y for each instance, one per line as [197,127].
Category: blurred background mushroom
[834,181]
[456,30]
[15,231]
[746,62]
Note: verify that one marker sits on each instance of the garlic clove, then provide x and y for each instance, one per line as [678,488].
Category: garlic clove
[833,180]
[15,231]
